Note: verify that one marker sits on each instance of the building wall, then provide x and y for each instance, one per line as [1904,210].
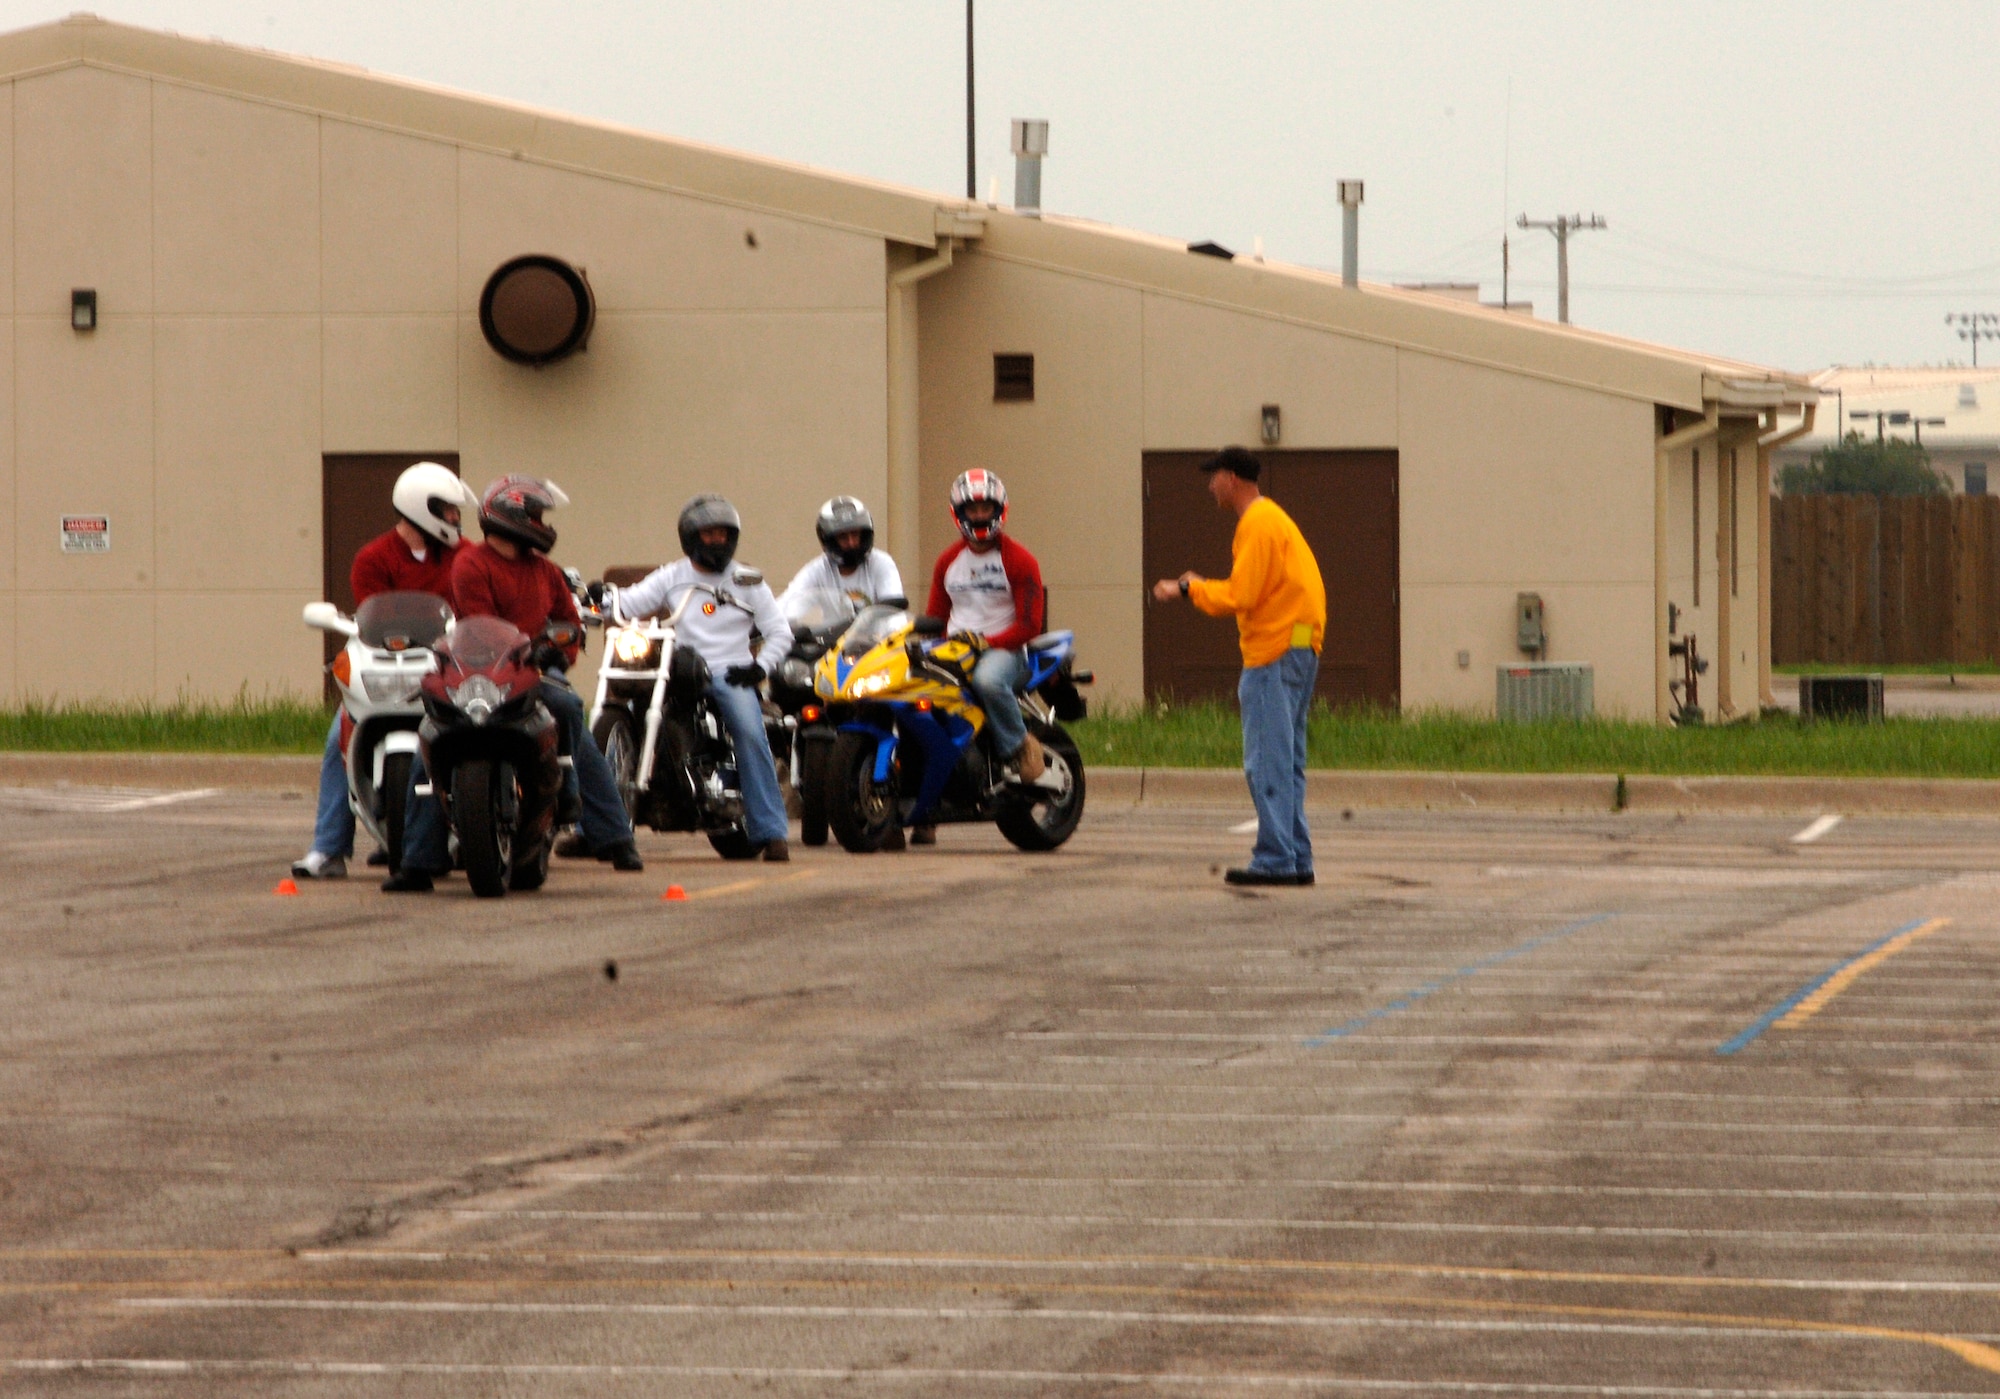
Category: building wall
[1490,463]
[274,285]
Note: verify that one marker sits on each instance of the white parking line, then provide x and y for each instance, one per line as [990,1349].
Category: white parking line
[1244,828]
[1816,829]
[1406,1119]
[100,801]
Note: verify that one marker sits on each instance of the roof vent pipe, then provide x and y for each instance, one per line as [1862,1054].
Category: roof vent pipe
[1350,233]
[1031,143]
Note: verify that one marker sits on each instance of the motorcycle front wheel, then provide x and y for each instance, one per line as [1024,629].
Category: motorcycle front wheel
[861,810]
[485,836]
[617,738]
[1035,818]
[395,791]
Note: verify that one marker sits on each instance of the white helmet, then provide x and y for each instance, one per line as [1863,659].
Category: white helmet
[421,495]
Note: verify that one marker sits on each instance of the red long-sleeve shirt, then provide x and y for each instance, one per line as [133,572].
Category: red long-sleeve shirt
[527,591]
[1024,581]
[385,565]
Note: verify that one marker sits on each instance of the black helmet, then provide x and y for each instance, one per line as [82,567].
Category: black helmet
[514,506]
[845,515]
[707,512]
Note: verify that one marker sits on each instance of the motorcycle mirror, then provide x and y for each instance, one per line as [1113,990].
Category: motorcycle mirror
[575,578]
[324,616]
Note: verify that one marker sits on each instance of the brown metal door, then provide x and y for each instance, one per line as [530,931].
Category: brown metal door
[1345,504]
[354,508]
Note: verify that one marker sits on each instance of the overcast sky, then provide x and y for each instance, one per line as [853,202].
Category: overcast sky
[1789,183]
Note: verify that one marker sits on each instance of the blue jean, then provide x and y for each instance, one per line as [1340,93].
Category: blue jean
[993,681]
[333,827]
[1275,700]
[756,771]
[426,845]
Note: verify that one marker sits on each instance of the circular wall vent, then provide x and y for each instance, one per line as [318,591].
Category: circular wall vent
[537,309]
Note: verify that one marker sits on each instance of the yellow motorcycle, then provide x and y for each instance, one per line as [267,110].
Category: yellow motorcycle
[911,742]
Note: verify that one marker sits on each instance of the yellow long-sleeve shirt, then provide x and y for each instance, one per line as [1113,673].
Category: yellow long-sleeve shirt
[1273,588]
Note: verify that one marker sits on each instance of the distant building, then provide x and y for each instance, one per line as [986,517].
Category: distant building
[1905,403]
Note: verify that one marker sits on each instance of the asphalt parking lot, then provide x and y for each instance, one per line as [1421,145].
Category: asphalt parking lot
[1516,1104]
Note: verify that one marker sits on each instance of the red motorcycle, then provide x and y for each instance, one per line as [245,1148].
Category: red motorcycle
[490,747]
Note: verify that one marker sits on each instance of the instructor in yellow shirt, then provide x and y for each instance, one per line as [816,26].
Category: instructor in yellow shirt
[1275,593]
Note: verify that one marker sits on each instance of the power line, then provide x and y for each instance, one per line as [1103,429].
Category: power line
[1562,226]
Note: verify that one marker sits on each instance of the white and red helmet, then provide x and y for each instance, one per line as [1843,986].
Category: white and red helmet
[976,485]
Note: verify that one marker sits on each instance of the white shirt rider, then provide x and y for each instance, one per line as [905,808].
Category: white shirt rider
[717,627]
[875,580]
[982,600]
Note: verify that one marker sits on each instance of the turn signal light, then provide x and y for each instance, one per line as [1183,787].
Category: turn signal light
[343,668]
[923,706]
[810,714]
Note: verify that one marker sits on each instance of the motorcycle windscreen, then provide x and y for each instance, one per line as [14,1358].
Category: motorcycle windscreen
[870,628]
[403,621]
[481,643]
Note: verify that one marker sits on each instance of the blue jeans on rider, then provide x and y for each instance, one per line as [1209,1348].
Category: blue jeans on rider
[1275,700]
[756,771]
[333,828]
[993,682]
[604,823]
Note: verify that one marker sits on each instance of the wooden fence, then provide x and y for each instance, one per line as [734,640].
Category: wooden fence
[1885,580]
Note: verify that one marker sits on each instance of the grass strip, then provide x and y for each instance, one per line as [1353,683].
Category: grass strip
[1912,668]
[1208,736]
[241,725]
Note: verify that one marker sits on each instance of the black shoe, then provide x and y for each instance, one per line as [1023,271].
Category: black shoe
[575,847]
[378,859]
[777,851]
[622,856]
[1259,877]
[1304,877]
[407,881]
[894,839]
[923,835]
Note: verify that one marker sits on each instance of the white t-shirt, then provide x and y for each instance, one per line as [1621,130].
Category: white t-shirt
[981,600]
[876,579]
[720,636]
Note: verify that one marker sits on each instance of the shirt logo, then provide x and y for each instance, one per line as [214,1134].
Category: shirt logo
[708,609]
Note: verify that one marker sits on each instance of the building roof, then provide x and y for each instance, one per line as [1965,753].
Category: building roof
[1409,319]
[1967,399]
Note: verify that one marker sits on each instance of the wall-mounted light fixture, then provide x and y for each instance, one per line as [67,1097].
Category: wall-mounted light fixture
[537,309]
[83,308]
[1273,424]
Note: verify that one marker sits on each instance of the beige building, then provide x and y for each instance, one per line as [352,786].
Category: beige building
[286,261]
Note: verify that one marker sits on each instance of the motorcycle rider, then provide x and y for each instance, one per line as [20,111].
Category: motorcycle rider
[413,556]
[718,630]
[988,589]
[509,575]
[849,563]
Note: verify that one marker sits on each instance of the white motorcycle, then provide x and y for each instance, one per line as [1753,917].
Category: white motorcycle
[380,673]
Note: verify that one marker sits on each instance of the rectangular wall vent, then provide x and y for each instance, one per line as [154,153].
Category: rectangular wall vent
[1545,690]
[1013,378]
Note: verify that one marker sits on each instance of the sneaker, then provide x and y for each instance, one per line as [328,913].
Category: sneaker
[622,856]
[923,835]
[1030,760]
[777,851]
[314,865]
[407,881]
[893,841]
[1259,877]
[574,847]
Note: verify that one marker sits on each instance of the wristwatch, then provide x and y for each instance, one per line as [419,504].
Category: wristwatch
[1184,587]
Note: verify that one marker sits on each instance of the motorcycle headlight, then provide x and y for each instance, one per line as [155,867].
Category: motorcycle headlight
[477,698]
[871,684]
[391,687]
[796,674]
[631,645]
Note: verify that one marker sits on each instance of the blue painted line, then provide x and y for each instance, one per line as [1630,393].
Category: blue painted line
[1778,1012]
[1404,1002]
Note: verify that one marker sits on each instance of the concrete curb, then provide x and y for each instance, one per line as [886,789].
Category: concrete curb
[1126,786]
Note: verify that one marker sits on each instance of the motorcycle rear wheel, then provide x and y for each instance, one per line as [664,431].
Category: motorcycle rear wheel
[395,791]
[861,810]
[1044,824]
[813,759]
[485,839]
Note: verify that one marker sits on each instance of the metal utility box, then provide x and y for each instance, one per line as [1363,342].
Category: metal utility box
[1545,690]
[1529,632]
[1840,697]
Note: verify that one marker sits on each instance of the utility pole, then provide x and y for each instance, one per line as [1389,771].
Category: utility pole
[1975,326]
[1562,226]
[971,127]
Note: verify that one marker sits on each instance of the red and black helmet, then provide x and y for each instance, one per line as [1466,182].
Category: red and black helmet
[514,507]
[976,485]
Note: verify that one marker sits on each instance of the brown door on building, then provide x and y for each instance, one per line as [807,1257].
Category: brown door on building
[355,507]
[1345,504]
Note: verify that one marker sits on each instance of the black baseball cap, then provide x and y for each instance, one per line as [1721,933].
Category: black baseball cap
[1235,460]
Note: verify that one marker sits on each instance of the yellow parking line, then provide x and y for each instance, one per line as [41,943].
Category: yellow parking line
[743,885]
[1845,977]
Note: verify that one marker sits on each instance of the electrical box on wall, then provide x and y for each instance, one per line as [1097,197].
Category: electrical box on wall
[1530,634]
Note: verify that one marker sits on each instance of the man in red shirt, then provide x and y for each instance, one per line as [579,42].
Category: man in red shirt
[415,556]
[509,575]
[988,587]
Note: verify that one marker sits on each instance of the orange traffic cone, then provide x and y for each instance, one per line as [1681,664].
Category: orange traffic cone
[287,888]
[675,894]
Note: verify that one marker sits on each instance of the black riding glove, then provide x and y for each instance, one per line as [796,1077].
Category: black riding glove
[744,675]
[547,657]
[595,592]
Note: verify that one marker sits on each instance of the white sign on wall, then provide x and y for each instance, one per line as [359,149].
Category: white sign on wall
[86,534]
